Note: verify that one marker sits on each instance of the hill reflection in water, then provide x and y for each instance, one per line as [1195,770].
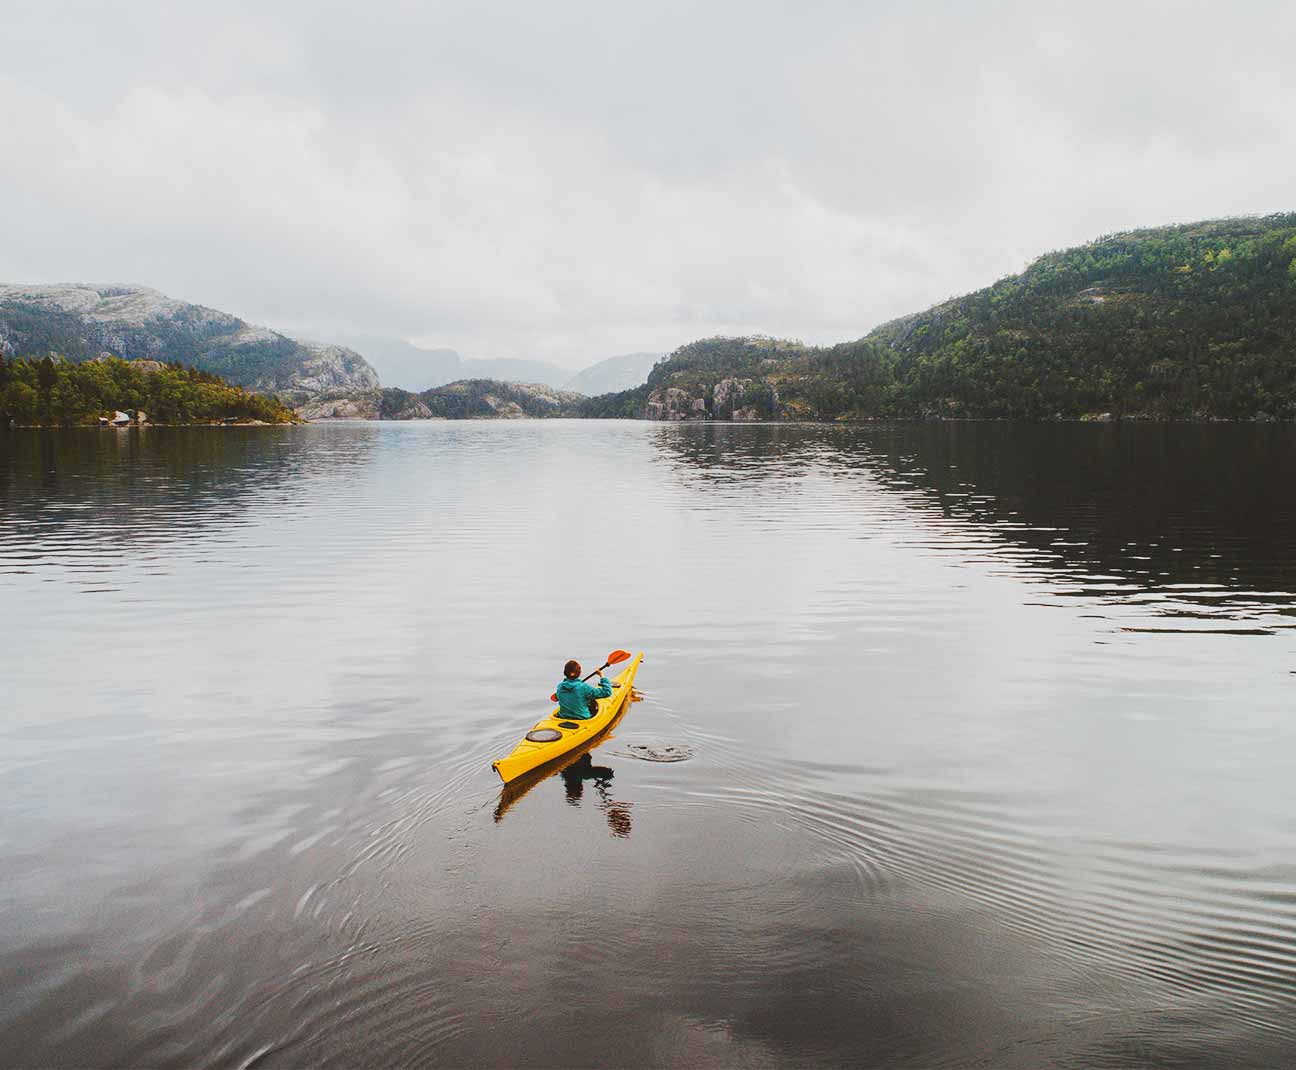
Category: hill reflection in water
[1196,523]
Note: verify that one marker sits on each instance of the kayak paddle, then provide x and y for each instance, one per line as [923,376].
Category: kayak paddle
[615,658]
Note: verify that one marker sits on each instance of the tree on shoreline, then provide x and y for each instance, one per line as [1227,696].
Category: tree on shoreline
[50,392]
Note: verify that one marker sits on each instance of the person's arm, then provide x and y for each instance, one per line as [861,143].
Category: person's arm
[604,689]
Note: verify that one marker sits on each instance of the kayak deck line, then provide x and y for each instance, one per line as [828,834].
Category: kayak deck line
[556,735]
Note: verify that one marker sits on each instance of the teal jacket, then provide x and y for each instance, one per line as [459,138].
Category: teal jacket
[572,696]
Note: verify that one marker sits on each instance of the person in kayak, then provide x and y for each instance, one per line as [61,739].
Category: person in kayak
[576,698]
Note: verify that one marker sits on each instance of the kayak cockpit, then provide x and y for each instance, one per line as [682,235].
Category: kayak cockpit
[558,734]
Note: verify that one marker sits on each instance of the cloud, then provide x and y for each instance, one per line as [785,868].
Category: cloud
[570,180]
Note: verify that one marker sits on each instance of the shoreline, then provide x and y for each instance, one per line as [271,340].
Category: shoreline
[857,421]
[150,423]
[851,421]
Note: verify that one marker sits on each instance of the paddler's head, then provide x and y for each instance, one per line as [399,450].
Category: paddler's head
[572,670]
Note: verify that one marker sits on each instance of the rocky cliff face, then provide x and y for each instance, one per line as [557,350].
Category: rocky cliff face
[80,321]
[676,403]
[389,403]
[362,406]
[331,370]
[733,398]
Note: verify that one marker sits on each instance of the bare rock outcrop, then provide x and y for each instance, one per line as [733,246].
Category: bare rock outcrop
[726,395]
[330,370]
[675,403]
[358,407]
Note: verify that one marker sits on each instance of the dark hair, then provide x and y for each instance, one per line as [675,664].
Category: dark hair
[571,670]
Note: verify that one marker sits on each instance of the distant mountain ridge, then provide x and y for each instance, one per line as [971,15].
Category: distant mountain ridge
[615,373]
[81,321]
[409,367]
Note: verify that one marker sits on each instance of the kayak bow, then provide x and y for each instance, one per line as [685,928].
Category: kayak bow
[555,736]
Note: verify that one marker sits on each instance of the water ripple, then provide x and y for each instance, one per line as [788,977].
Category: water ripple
[989,731]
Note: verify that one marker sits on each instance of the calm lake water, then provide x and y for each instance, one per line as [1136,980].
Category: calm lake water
[993,733]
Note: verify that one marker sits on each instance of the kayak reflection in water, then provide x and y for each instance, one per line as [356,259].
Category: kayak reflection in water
[583,769]
[576,698]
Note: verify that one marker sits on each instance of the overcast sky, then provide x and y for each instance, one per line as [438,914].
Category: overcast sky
[567,181]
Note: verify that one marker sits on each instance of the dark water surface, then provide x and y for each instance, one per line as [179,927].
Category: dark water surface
[992,731]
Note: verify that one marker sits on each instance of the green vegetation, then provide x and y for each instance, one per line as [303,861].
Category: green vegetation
[622,405]
[57,392]
[1185,322]
[394,403]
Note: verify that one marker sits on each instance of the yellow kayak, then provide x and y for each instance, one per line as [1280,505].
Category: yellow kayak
[555,736]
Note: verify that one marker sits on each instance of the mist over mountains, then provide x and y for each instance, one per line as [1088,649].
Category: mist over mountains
[409,367]
[1191,321]
[614,374]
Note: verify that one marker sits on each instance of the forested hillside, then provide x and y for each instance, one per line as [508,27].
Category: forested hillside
[60,393]
[1185,322]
